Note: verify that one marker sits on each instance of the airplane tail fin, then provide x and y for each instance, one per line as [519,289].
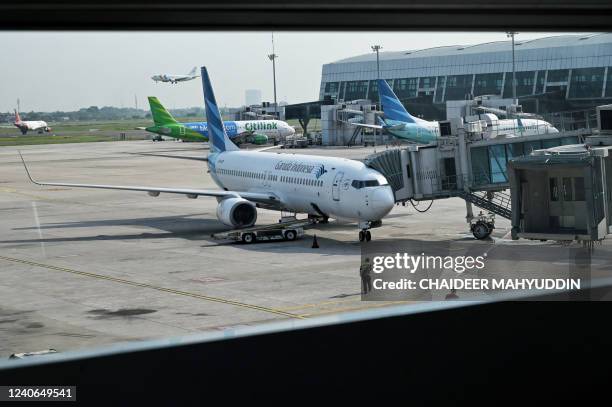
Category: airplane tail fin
[17,118]
[216,131]
[193,71]
[391,105]
[160,115]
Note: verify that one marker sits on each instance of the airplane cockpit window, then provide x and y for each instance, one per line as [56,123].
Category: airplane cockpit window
[363,184]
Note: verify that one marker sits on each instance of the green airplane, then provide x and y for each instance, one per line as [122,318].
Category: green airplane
[249,131]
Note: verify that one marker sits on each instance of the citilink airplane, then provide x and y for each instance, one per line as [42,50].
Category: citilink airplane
[254,131]
[402,125]
[174,79]
[319,186]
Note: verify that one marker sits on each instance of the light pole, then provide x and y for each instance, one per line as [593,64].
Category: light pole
[377,48]
[511,34]
[273,57]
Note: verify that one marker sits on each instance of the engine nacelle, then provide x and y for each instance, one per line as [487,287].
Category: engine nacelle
[237,212]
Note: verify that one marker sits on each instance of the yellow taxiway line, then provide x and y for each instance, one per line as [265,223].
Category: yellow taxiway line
[153,287]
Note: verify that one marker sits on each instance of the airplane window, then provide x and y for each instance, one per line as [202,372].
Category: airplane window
[363,184]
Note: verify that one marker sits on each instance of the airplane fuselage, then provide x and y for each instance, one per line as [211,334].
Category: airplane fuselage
[317,185]
[198,131]
[172,78]
[425,132]
[32,125]
[422,132]
[526,127]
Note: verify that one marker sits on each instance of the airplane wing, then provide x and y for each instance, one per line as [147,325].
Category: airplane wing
[257,197]
[183,157]
[491,110]
[505,113]
[265,148]
[369,126]
[180,157]
[380,127]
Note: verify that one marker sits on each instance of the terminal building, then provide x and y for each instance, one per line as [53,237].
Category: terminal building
[554,74]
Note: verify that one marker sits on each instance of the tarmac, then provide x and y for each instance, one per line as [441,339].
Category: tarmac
[80,268]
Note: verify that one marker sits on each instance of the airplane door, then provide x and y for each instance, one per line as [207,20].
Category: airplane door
[336,186]
[182,130]
[266,180]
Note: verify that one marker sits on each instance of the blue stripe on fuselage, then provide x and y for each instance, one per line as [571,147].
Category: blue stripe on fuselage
[202,127]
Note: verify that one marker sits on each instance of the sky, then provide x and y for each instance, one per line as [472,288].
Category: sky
[50,71]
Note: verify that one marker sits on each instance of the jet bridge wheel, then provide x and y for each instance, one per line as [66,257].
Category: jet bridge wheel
[481,230]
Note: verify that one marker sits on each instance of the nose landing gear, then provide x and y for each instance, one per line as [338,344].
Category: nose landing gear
[365,235]
[364,232]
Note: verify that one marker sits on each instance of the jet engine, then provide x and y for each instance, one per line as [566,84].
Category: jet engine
[237,212]
[258,139]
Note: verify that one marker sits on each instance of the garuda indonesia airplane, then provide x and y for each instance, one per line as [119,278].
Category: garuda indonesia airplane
[251,131]
[402,125]
[323,186]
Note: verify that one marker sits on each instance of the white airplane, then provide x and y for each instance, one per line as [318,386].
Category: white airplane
[164,77]
[33,125]
[319,186]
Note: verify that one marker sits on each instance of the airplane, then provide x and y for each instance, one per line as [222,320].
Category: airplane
[33,125]
[174,79]
[317,185]
[240,131]
[402,125]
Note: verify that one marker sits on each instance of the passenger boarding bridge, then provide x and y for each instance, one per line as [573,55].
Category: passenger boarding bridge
[469,161]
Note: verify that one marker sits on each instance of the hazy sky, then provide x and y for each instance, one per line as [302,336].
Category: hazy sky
[51,71]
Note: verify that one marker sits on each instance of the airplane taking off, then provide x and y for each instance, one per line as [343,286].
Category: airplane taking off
[253,131]
[33,125]
[402,125]
[319,186]
[174,79]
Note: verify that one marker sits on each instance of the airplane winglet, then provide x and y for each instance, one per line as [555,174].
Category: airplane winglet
[27,171]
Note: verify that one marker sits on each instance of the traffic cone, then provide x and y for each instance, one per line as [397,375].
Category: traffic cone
[315,244]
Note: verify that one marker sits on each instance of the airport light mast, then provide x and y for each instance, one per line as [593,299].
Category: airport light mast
[273,57]
[376,48]
[511,34]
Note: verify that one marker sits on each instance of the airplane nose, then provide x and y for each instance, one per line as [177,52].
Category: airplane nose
[383,201]
[290,131]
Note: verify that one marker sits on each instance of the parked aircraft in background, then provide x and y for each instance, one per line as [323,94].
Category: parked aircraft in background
[322,186]
[165,77]
[30,125]
[401,124]
[240,131]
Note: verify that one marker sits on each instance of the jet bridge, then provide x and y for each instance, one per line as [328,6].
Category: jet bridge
[563,193]
[464,163]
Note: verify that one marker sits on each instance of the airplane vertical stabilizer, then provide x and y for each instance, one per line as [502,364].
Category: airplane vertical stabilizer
[216,131]
[391,105]
[160,115]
